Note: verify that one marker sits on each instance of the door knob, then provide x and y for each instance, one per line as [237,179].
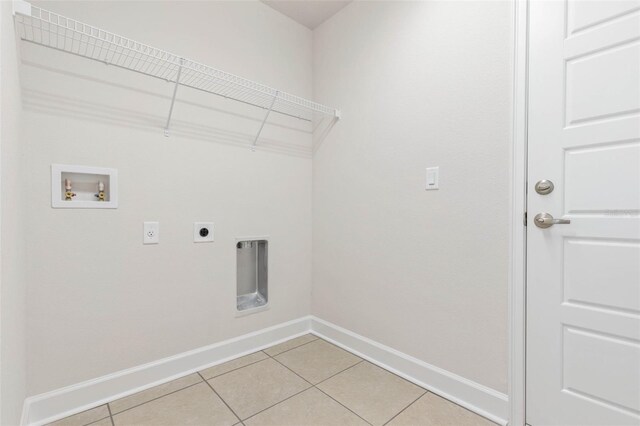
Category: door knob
[545,220]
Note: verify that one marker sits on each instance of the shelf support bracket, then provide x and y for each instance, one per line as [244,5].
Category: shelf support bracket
[264,120]
[173,98]
[21,7]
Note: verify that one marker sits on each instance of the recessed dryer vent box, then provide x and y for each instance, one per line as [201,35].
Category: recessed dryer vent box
[82,187]
[252,284]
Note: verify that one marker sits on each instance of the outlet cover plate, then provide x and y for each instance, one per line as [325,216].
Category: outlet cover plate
[151,233]
[198,237]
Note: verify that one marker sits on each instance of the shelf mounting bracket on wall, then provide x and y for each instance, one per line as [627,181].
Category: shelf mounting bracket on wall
[173,98]
[264,120]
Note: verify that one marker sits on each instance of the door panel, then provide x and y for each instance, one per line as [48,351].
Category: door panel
[583,278]
[584,14]
[586,188]
[590,263]
[603,84]
[593,359]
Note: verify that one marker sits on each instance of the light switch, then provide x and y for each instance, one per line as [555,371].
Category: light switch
[433,178]
[151,233]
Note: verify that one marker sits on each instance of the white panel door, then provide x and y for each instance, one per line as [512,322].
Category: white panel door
[583,278]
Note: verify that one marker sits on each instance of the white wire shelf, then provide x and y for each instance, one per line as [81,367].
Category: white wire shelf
[45,28]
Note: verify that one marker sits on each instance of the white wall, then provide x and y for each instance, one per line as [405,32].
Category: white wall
[420,84]
[12,255]
[425,272]
[100,301]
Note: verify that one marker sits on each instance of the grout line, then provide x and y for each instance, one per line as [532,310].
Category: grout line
[343,405]
[85,424]
[279,402]
[384,369]
[314,386]
[390,372]
[317,338]
[88,424]
[110,415]
[293,371]
[397,375]
[401,411]
[295,347]
[463,408]
[235,369]
[222,399]
[341,371]
[162,396]
[311,385]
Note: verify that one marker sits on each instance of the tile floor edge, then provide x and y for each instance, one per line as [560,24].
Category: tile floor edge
[473,396]
[64,402]
[67,401]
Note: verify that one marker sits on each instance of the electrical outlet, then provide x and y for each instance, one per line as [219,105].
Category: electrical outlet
[151,233]
[203,232]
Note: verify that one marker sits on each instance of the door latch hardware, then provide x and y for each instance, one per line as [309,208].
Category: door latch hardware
[544,187]
[545,220]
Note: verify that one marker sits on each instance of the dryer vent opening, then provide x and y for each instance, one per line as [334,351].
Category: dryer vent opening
[252,274]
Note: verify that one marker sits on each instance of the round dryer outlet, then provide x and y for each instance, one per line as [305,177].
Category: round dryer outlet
[203,232]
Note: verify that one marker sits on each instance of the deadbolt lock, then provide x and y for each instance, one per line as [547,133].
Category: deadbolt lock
[544,187]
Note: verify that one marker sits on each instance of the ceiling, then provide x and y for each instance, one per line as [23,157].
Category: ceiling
[309,13]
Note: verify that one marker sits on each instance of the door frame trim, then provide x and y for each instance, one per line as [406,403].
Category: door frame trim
[517,241]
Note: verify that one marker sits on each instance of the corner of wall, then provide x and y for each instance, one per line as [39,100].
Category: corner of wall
[12,270]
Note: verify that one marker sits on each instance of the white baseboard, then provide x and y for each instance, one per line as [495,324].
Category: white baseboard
[47,407]
[60,403]
[480,399]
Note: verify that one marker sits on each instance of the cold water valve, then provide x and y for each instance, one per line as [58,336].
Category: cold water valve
[100,195]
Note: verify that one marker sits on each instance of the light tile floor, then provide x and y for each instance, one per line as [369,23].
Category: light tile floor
[302,382]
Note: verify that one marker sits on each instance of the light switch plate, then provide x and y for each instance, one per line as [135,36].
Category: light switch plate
[203,232]
[433,178]
[151,233]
